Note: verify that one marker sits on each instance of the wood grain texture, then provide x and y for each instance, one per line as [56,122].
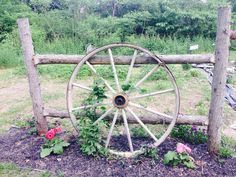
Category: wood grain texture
[34,85]
[153,119]
[219,79]
[124,60]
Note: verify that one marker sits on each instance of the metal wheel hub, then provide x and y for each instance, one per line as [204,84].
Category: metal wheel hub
[120,100]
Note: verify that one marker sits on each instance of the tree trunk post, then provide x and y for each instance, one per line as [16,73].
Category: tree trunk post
[34,85]
[219,79]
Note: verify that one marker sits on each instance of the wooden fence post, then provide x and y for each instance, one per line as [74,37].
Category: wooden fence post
[34,85]
[219,79]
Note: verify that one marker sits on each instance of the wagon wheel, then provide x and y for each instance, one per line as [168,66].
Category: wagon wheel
[120,103]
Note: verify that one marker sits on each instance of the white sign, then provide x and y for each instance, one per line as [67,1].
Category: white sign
[193,47]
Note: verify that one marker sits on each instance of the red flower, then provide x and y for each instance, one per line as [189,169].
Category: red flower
[57,130]
[50,134]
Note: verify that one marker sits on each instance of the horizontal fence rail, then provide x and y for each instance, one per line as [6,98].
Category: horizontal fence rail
[151,119]
[125,60]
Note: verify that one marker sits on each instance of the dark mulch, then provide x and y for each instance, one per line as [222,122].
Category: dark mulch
[23,149]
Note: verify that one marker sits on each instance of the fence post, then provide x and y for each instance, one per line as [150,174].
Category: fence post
[34,85]
[219,79]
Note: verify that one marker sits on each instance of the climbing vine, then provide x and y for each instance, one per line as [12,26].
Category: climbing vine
[90,138]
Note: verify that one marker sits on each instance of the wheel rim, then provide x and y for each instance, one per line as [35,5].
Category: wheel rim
[122,102]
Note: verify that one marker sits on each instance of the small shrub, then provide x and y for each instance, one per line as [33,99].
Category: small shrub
[226,152]
[190,134]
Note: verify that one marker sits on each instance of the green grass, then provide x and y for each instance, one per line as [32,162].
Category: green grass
[12,170]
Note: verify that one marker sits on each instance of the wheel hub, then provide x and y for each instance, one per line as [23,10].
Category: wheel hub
[120,100]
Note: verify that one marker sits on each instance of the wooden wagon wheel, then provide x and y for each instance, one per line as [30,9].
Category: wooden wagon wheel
[121,102]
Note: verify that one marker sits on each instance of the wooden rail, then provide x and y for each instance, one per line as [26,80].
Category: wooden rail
[124,60]
[151,119]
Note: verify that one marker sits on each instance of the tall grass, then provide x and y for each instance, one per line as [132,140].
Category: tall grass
[10,51]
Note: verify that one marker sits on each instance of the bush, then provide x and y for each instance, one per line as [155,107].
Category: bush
[190,134]
[226,152]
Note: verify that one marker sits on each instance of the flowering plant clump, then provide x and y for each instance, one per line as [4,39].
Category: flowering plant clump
[180,156]
[191,134]
[53,144]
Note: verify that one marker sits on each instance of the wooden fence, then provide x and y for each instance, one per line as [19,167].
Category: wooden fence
[219,59]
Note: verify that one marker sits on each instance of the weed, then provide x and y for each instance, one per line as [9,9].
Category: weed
[139,132]
[201,108]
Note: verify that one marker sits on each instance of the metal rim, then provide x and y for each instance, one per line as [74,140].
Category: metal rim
[124,107]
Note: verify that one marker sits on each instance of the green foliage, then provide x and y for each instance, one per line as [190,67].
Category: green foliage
[226,152]
[190,134]
[151,153]
[55,146]
[201,108]
[126,87]
[173,158]
[139,132]
[194,73]
[90,136]
[186,66]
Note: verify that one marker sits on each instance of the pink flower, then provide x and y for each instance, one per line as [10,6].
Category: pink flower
[57,130]
[50,134]
[183,148]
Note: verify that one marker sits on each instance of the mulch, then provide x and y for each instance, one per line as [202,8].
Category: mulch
[23,149]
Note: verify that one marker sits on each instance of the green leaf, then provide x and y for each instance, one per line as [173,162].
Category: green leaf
[64,144]
[45,152]
[170,156]
[189,164]
[58,149]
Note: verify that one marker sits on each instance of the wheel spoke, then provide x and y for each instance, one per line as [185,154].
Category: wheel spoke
[150,110]
[151,94]
[89,89]
[127,130]
[114,70]
[142,124]
[112,127]
[131,67]
[104,115]
[90,106]
[147,75]
[105,82]
[82,86]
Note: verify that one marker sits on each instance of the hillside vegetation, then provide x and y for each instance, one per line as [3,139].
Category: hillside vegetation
[68,26]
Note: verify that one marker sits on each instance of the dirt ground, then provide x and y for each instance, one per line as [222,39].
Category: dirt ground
[74,163]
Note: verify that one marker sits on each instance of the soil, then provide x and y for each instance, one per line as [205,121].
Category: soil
[21,148]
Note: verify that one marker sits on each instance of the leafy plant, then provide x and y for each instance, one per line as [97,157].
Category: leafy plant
[53,144]
[226,152]
[173,158]
[151,153]
[90,136]
[190,134]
